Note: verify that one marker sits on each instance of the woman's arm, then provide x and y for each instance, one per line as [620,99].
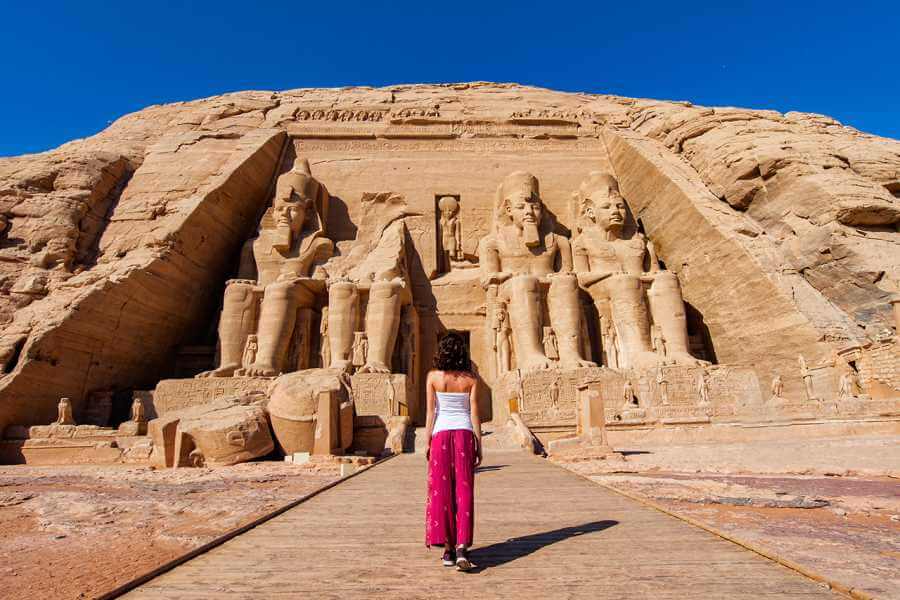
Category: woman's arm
[476,421]
[429,419]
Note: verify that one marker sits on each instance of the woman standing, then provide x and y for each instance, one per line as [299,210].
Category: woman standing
[453,432]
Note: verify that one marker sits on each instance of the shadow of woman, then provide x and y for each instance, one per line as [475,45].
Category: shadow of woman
[515,548]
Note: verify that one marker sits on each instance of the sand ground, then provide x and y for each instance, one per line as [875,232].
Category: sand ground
[75,532]
[831,505]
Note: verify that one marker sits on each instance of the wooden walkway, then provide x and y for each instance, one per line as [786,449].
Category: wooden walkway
[541,532]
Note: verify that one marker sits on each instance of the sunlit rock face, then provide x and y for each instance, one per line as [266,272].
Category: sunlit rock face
[695,252]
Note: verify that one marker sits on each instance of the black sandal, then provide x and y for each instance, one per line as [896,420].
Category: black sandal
[449,558]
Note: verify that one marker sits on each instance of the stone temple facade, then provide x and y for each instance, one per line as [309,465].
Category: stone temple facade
[212,281]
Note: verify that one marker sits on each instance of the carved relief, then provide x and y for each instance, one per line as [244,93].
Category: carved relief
[451,231]
[360,348]
[777,388]
[551,347]
[501,342]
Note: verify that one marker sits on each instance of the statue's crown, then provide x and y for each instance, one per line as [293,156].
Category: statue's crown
[596,180]
[519,181]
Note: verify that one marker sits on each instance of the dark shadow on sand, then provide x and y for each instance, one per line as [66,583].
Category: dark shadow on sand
[515,548]
[489,468]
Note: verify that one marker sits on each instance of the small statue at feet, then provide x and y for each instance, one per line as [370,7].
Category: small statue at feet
[64,412]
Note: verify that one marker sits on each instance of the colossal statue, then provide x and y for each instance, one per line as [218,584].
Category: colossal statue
[524,262]
[611,268]
[291,243]
[372,277]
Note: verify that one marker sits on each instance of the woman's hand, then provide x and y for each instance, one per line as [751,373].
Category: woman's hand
[478,456]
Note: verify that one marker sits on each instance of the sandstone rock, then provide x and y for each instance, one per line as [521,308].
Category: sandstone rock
[294,408]
[780,232]
[226,432]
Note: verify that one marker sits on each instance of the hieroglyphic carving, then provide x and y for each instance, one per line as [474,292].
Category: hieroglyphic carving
[176,394]
[379,394]
[340,115]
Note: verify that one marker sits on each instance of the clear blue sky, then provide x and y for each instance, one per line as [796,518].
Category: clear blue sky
[70,68]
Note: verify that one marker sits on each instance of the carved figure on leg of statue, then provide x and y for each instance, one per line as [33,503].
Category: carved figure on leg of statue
[501,333]
[551,348]
[610,341]
[611,268]
[324,354]
[249,356]
[554,393]
[658,341]
[360,348]
[520,390]
[291,243]
[531,263]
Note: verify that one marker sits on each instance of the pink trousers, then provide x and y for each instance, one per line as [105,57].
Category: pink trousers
[450,507]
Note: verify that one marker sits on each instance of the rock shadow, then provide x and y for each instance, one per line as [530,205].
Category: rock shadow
[519,547]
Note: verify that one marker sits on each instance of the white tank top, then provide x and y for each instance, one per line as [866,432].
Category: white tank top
[453,412]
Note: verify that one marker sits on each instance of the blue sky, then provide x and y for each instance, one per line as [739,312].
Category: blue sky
[70,68]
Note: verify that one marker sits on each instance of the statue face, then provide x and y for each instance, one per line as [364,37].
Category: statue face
[290,207]
[524,209]
[606,208]
[448,206]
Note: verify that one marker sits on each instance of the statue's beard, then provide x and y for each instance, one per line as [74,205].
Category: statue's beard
[531,234]
[283,236]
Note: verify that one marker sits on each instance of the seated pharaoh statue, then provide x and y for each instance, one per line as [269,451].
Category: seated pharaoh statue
[370,279]
[523,262]
[611,267]
[287,254]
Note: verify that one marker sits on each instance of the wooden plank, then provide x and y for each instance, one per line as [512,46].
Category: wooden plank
[541,531]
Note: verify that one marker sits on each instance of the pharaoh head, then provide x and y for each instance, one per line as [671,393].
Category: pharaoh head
[600,203]
[448,207]
[519,201]
[297,194]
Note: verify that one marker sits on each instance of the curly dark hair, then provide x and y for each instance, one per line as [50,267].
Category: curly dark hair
[452,354]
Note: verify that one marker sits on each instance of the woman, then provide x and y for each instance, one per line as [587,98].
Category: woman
[453,432]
